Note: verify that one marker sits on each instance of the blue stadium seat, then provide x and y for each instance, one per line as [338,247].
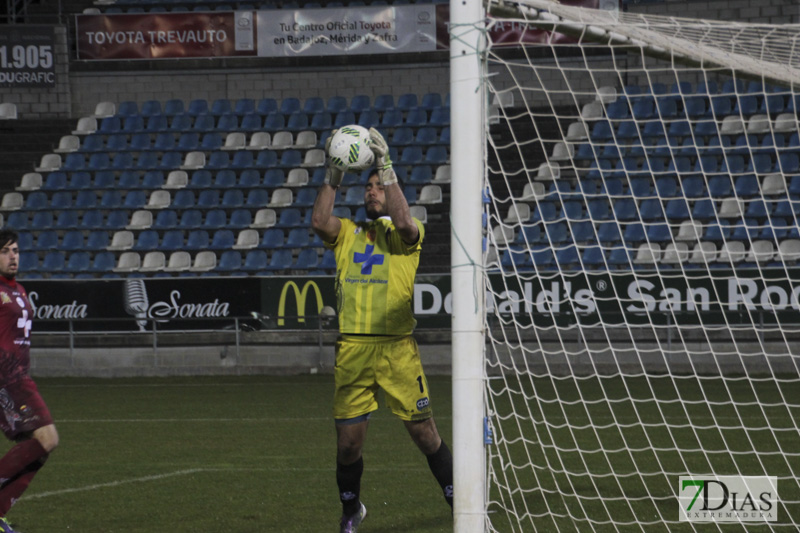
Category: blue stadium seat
[133,124]
[204,123]
[184,199]
[232,198]
[201,179]
[97,240]
[307,259]
[229,261]
[280,260]
[436,155]
[391,119]
[257,198]
[747,185]
[251,122]
[336,104]
[517,258]
[297,121]
[267,159]
[117,219]
[221,106]
[197,107]
[272,238]
[556,232]
[26,241]
[172,240]
[191,219]
[187,142]
[289,106]
[157,123]
[255,260]
[244,106]
[297,238]
[359,103]
[321,121]
[756,208]
[240,218]
[146,241]
[242,159]
[274,122]
[651,210]
[305,197]
[215,219]
[55,181]
[134,200]
[110,125]
[78,261]
[249,178]
[677,209]
[344,118]
[208,199]
[103,262]
[266,106]
[625,210]
[289,217]
[313,105]
[42,220]
[165,219]
[369,119]
[703,209]
[46,240]
[599,209]
[411,155]
[213,140]
[28,262]
[197,240]
[53,262]
[720,186]
[119,141]
[418,117]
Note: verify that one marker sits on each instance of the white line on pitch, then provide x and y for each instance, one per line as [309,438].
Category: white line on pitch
[118,483]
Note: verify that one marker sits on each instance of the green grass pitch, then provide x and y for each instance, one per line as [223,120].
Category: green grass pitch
[228,454]
[257,454]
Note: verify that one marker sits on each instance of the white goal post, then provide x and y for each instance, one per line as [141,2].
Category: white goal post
[625,214]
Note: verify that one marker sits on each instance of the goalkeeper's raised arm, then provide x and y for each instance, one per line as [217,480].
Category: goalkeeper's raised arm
[396,205]
[323,222]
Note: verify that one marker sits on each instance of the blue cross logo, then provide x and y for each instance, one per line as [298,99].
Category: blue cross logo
[368,259]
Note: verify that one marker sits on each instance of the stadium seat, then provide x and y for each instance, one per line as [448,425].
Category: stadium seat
[172,240]
[229,261]
[197,240]
[154,261]
[204,261]
[255,261]
[264,218]
[307,259]
[280,260]
[179,261]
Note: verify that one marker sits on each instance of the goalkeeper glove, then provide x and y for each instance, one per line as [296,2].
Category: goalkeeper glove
[333,176]
[382,158]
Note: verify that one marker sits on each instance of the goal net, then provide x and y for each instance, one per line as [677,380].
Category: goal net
[643,285]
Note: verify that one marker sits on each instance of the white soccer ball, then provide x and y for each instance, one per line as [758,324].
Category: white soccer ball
[349,149]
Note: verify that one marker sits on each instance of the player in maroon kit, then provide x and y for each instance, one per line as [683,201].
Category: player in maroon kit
[25,418]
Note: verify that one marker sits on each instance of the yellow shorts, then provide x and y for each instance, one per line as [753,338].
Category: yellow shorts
[365,364]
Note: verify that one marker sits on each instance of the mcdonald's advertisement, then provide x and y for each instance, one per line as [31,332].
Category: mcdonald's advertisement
[275,303]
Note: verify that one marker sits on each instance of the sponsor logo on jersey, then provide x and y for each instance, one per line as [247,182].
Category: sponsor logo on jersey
[5,298]
[423,403]
[368,259]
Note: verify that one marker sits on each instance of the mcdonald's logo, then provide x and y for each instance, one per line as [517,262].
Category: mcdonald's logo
[300,297]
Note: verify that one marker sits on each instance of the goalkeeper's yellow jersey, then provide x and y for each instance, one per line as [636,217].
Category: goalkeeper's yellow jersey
[375,273]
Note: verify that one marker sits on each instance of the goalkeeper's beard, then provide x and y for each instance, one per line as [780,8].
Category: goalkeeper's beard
[373,211]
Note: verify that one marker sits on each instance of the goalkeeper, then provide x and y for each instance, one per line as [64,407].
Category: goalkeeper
[376,262]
